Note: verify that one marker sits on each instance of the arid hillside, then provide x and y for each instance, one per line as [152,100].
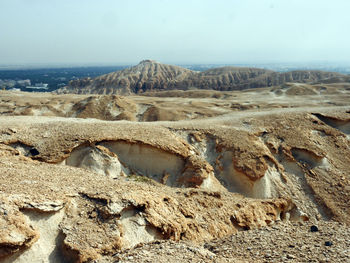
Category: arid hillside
[150,75]
[260,175]
[173,105]
[147,75]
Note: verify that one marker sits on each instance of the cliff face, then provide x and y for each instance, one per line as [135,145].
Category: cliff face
[149,75]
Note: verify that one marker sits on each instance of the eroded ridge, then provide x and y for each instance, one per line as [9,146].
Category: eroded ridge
[91,217]
[341,124]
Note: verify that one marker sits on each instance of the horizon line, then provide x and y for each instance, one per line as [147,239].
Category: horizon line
[40,65]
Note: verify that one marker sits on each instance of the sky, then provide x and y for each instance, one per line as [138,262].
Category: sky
[178,31]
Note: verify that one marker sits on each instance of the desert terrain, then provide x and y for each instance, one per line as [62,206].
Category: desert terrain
[192,175]
[151,75]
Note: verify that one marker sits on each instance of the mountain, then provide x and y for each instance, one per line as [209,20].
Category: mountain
[147,75]
[150,75]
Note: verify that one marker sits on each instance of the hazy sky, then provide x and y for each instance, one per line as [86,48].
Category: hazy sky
[177,31]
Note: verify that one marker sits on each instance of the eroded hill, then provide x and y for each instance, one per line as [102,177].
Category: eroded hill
[150,75]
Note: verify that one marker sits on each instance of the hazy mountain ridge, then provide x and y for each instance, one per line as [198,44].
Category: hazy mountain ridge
[150,75]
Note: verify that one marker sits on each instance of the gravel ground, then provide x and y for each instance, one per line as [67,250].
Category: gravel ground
[282,242]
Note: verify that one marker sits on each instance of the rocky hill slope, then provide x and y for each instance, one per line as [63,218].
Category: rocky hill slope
[147,75]
[150,75]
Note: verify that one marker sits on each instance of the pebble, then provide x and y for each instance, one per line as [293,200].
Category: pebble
[313,228]
[328,243]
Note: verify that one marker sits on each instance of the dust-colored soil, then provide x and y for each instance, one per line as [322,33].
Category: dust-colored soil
[282,242]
